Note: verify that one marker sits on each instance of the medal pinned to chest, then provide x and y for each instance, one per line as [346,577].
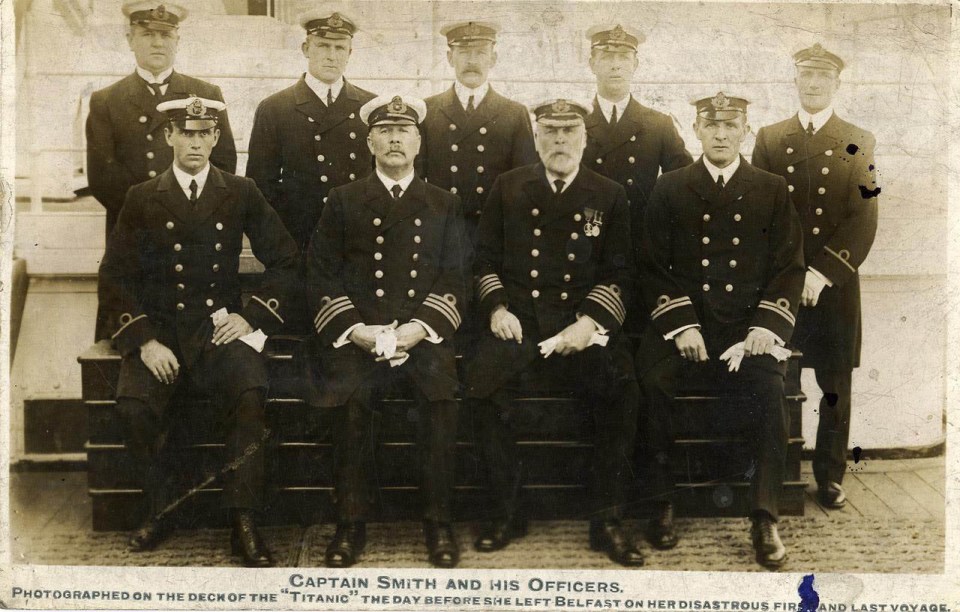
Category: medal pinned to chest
[594,222]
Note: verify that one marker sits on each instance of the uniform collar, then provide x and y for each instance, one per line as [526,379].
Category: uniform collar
[389,182]
[463,93]
[147,76]
[606,106]
[320,88]
[818,119]
[183,179]
[567,181]
[727,172]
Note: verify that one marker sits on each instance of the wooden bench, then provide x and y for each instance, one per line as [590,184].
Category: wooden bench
[554,433]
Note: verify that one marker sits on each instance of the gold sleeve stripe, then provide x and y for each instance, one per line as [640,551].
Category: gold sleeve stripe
[660,311]
[267,306]
[127,324]
[607,305]
[841,259]
[783,312]
[444,308]
[331,315]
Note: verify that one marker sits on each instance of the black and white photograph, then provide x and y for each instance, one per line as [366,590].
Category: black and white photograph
[450,304]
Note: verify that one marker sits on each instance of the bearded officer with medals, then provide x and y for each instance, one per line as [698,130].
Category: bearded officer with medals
[386,280]
[722,270]
[169,285]
[124,129]
[472,133]
[829,167]
[553,271]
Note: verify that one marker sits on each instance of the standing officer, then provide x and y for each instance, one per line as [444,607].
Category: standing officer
[828,165]
[723,270]
[169,285]
[553,267]
[472,133]
[388,249]
[125,143]
[308,138]
[631,144]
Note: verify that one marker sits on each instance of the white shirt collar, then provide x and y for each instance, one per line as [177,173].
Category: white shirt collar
[551,177]
[818,119]
[320,88]
[463,93]
[727,172]
[606,106]
[183,179]
[389,182]
[147,76]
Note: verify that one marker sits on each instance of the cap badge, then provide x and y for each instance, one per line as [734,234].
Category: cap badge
[196,108]
[335,21]
[472,29]
[560,106]
[720,101]
[817,50]
[617,33]
[397,105]
[159,13]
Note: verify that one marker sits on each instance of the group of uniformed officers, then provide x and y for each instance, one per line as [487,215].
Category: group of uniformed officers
[386,224]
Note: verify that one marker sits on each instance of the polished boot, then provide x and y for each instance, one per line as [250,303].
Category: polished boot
[771,553]
[149,535]
[499,533]
[245,540]
[347,544]
[442,545]
[610,537]
[831,495]
[661,532]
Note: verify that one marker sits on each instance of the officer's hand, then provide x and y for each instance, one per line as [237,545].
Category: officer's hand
[759,342]
[505,325]
[691,345]
[365,336]
[229,329]
[397,355]
[409,335]
[575,337]
[812,286]
[160,360]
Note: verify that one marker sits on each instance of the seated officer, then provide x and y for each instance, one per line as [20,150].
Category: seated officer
[169,281]
[553,262]
[388,250]
[722,264]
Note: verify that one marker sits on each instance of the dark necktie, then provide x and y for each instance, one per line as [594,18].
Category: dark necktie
[810,130]
[470,106]
[613,115]
[330,97]
[193,192]
[559,185]
[396,190]
[720,182]
[155,87]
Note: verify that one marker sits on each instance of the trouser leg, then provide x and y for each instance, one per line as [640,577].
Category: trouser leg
[616,426]
[660,384]
[437,441]
[244,423]
[767,430]
[143,435]
[833,429]
[498,451]
[352,452]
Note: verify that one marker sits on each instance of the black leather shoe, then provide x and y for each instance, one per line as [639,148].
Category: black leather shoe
[831,495]
[245,540]
[149,535]
[441,544]
[611,538]
[347,544]
[771,553]
[660,530]
[499,533]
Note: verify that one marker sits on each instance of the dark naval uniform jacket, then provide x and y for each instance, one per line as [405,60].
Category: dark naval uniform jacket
[125,141]
[832,181]
[170,264]
[300,149]
[466,153]
[374,260]
[535,256]
[725,259]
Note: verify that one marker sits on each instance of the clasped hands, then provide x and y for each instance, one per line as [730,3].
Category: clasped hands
[573,339]
[407,336]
